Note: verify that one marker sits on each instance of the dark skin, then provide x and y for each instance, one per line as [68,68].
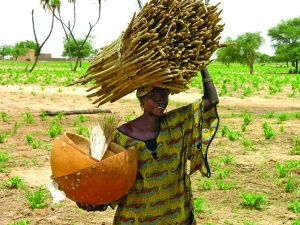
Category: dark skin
[210,97]
[146,126]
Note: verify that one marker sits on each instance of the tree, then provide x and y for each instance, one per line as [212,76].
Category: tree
[29,45]
[264,58]
[22,47]
[248,45]
[5,50]
[71,48]
[53,5]
[38,45]
[286,36]
[228,54]
[49,4]
[243,50]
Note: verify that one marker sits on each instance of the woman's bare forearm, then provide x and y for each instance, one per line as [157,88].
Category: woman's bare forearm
[210,97]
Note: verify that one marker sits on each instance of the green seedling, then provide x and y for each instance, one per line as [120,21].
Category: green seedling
[224,90]
[291,185]
[244,126]
[44,115]
[206,184]
[23,222]
[4,116]
[83,131]
[34,144]
[282,129]
[55,130]
[247,117]
[28,117]
[246,222]
[292,95]
[248,91]
[283,116]
[233,136]
[296,115]
[227,159]
[296,221]
[199,205]
[224,186]
[76,123]
[296,148]
[4,157]
[5,169]
[14,182]
[270,115]
[29,138]
[222,174]
[3,137]
[59,115]
[247,143]
[17,125]
[224,131]
[35,162]
[252,200]
[293,164]
[283,170]
[127,117]
[268,131]
[227,132]
[217,162]
[37,198]
[82,118]
[235,85]
[294,206]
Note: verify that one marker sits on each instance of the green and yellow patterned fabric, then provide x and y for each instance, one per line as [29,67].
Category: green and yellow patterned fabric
[162,191]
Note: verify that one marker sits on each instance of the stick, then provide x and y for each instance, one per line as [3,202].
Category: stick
[71,112]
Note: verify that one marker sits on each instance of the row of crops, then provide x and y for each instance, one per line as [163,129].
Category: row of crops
[255,157]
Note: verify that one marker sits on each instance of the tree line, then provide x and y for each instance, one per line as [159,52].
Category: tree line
[244,49]
[21,48]
[73,47]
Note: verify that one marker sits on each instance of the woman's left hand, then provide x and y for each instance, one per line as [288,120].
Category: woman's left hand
[92,208]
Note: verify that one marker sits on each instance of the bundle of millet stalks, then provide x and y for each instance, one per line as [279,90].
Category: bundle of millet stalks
[166,44]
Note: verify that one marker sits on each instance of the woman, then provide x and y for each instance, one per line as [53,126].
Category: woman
[165,142]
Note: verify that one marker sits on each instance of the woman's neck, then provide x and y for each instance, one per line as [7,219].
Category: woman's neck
[143,128]
[150,123]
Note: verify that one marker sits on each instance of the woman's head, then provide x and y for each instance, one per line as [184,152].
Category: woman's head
[153,99]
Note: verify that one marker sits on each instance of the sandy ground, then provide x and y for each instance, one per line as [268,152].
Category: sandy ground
[252,171]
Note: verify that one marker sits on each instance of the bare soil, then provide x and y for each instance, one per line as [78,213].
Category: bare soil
[252,171]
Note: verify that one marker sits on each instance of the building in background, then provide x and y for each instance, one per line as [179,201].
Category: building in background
[29,56]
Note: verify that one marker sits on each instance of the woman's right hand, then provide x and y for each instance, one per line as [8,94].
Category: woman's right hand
[92,208]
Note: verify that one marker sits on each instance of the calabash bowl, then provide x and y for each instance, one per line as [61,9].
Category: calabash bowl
[87,180]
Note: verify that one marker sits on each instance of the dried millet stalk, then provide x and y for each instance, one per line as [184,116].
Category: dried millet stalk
[166,44]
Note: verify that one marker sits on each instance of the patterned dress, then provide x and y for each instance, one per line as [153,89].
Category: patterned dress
[162,191]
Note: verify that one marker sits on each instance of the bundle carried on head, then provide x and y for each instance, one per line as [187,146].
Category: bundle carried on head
[166,44]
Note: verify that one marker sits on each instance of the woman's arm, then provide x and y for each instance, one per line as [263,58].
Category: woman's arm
[210,97]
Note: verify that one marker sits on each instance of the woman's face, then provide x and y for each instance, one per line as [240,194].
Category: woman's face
[156,101]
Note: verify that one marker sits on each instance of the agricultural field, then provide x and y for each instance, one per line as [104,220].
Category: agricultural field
[254,158]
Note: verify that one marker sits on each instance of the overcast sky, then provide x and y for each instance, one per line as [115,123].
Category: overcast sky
[239,16]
